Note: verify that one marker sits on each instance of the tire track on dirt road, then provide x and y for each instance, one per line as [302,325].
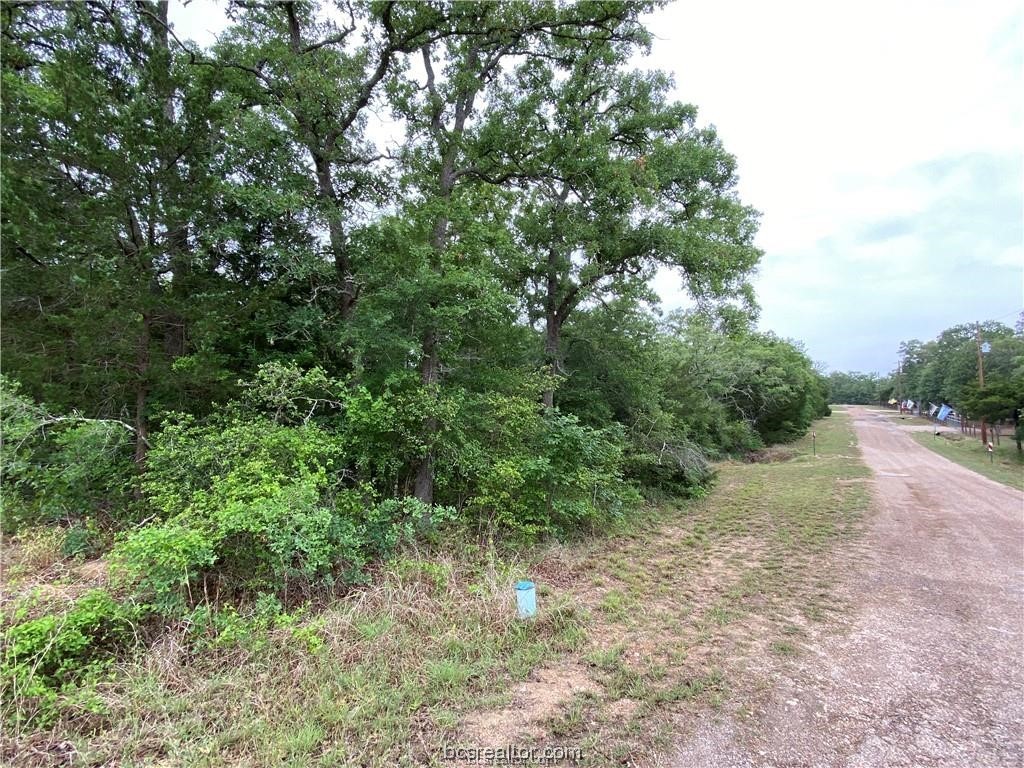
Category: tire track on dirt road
[930,669]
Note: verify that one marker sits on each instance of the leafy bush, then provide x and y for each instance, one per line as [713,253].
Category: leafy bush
[246,504]
[670,463]
[377,434]
[290,395]
[232,454]
[83,539]
[90,469]
[22,419]
[530,472]
[227,627]
[52,655]
[61,468]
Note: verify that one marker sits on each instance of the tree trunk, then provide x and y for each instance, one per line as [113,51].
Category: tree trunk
[141,397]
[335,233]
[343,267]
[430,374]
[552,354]
[552,329]
[424,489]
[431,362]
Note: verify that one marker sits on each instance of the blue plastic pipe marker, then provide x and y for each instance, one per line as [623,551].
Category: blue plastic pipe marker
[526,599]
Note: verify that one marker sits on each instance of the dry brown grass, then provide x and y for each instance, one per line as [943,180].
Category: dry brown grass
[30,554]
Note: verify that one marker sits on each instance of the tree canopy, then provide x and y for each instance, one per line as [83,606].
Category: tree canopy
[234,311]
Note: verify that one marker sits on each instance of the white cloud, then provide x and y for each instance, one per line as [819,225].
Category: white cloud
[835,113]
[198,20]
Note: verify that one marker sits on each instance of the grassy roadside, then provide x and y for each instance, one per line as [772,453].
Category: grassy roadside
[1005,466]
[672,614]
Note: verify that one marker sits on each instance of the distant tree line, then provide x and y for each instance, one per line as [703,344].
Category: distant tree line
[855,388]
[946,370]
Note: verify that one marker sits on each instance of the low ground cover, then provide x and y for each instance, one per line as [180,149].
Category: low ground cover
[678,610]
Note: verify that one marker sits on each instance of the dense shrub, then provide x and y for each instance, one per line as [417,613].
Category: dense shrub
[53,655]
[512,467]
[668,462]
[247,505]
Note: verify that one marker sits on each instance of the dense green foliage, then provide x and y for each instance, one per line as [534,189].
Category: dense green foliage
[54,654]
[855,388]
[66,468]
[251,349]
[946,371]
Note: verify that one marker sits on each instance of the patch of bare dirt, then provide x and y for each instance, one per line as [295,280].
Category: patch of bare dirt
[770,455]
[622,710]
[534,703]
[93,572]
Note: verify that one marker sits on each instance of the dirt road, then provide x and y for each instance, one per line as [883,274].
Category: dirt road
[930,670]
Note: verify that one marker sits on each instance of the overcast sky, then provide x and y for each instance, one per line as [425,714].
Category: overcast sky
[882,143]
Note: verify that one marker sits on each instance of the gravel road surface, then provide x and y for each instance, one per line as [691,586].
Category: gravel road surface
[930,670]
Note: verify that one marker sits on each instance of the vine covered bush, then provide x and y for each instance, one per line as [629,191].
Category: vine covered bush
[54,656]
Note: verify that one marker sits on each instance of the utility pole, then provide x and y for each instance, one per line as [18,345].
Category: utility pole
[899,383]
[981,377]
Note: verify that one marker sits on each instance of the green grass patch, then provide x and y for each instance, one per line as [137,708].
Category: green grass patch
[617,605]
[1006,465]
[783,648]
